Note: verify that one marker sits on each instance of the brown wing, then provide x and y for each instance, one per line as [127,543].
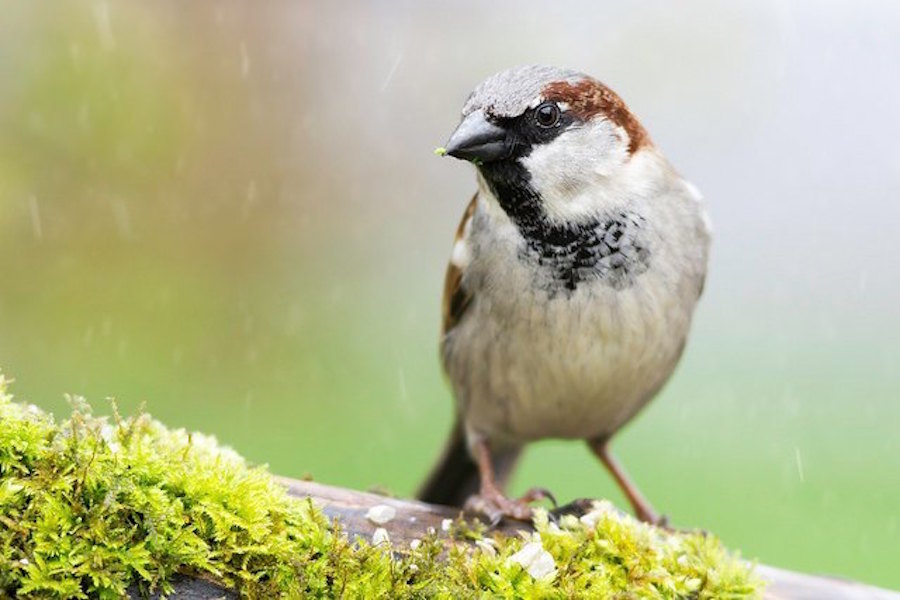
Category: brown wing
[456,297]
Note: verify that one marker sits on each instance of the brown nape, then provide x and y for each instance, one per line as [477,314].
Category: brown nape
[588,98]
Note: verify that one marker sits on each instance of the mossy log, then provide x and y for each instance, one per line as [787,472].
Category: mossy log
[103,507]
[413,518]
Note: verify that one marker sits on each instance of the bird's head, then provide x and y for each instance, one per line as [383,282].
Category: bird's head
[557,140]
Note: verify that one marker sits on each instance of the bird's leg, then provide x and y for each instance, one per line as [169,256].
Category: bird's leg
[490,501]
[641,506]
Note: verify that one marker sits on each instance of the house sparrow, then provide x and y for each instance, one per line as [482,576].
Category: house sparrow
[571,284]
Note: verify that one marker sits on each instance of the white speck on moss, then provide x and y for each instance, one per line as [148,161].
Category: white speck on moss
[110,436]
[414,544]
[534,559]
[570,522]
[445,524]
[487,547]
[381,537]
[601,508]
[381,514]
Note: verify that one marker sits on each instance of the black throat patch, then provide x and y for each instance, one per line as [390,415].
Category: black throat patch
[608,249]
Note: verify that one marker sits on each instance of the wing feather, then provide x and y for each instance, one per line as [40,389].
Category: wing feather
[456,297]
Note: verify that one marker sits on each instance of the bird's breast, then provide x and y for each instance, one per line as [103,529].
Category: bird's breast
[569,340]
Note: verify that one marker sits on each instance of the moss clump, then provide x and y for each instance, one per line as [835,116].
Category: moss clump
[91,505]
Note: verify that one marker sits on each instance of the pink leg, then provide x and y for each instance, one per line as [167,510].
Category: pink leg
[642,508]
[491,501]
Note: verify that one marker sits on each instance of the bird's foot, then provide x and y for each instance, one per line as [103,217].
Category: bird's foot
[494,506]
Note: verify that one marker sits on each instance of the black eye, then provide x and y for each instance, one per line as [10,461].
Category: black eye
[547,115]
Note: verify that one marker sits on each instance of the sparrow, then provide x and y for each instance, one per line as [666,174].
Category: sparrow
[571,285]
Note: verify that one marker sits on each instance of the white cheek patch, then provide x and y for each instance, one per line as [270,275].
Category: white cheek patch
[571,171]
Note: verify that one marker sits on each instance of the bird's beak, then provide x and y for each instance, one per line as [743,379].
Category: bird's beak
[477,139]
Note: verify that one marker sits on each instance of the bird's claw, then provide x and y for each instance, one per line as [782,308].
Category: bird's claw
[536,494]
[494,506]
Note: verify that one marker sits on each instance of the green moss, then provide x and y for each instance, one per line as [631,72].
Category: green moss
[92,505]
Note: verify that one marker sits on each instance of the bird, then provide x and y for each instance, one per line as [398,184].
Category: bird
[571,285]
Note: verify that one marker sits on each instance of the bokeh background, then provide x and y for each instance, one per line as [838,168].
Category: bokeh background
[230,211]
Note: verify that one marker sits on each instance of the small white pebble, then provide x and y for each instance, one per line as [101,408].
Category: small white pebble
[414,544]
[445,524]
[534,559]
[381,514]
[414,567]
[380,537]
[24,562]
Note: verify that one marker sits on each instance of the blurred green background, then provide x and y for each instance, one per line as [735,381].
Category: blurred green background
[230,211]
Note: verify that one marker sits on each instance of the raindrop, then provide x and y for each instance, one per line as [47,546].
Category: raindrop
[123,219]
[35,211]
[104,25]
[249,199]
[390,75]
[799,462]
[245,60]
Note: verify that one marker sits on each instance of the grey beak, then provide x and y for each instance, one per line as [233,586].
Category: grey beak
[478,139]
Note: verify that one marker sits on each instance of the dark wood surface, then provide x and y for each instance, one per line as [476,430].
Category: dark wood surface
[414,518]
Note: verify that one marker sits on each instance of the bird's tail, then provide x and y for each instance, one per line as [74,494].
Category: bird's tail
[455,476]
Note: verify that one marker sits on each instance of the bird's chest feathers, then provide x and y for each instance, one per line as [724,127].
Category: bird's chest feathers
[542,259]
[608,251]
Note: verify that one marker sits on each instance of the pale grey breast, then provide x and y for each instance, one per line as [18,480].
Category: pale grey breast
[539,355]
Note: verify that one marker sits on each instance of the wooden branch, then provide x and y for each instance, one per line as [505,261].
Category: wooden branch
[413,519]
